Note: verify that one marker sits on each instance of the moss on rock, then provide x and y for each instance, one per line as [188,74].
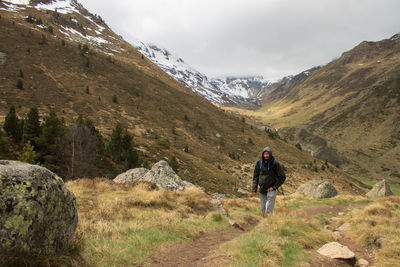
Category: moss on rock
[37,212]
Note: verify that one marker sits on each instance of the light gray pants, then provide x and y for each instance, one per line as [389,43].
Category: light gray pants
[268,201]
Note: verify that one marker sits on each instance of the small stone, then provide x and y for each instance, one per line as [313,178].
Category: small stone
[337,235]
[336,250]
[344,227]
[340,213]
[362,263]
[242,191]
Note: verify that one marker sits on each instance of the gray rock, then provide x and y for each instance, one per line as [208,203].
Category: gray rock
[131,176]
[362,262]
[337,235]
[344,227]
[3,58]
[242,191]
[161,175]
[380,189]
[336,250]
[38,213]
[317,189]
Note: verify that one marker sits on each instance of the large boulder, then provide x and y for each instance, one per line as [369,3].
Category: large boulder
[317,189]
[38,214]
[131,176]
[380,189]
[161,175]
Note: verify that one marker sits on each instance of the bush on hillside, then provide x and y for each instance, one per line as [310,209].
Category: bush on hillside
[20,84]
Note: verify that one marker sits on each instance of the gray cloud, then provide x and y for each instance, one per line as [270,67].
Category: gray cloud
[272,38]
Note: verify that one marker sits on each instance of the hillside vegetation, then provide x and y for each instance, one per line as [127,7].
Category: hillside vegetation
[43,67]
[347,111]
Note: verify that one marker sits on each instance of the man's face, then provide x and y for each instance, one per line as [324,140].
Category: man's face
[266,155]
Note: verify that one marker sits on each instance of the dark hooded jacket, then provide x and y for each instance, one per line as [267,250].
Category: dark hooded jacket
[268,173]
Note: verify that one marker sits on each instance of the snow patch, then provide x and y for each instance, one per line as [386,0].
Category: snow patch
[97,40]
[12,7]
[63,7]
[18,2]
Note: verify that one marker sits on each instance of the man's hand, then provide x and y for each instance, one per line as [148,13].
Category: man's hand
[270,189]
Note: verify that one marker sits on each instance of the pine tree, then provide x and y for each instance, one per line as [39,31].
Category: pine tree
[48,143]
[115,143]
[28,154]
[31,126]
[12,125]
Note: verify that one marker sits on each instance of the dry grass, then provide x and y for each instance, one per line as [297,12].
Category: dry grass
[124,224]
[280,240]
[377,227]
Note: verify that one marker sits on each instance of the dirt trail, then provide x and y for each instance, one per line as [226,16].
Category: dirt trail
[197,253]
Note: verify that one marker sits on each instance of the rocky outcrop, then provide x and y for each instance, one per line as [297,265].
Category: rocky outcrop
[38,214]
[336,250]
[161,175]
[317,189]
[380,189]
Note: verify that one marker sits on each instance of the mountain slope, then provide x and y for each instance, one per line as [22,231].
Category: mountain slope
[348,111]
[237,91]
[74,64]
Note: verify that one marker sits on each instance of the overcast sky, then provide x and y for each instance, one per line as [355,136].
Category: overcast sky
[272,38]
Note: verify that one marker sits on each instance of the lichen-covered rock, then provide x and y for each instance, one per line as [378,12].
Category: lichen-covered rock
[380,189]
[131,176]
[38,214]
[317,189]
[161,175]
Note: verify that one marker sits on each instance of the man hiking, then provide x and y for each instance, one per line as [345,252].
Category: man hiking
[269,175]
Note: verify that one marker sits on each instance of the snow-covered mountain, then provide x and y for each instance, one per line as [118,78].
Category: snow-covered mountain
[228,91]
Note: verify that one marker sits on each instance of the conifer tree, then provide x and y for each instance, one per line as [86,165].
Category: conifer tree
[115,143]
[31,126]
[12,125]
[28,154]
[53,129]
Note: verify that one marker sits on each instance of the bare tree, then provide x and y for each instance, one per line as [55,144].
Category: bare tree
[78,151]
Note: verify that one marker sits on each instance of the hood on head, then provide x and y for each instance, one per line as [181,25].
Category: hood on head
[266,149]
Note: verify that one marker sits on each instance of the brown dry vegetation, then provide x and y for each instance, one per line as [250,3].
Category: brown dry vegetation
[377,227]
[149,104]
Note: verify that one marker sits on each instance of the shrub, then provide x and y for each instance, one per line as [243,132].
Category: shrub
[299,147]
[50,29]
[63,42]
[20,84]
[43,40]
[250,141]
[174,163]
[163,143]
[216,217]
[28,154]
[115,99]
[186,149]
[186,118]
